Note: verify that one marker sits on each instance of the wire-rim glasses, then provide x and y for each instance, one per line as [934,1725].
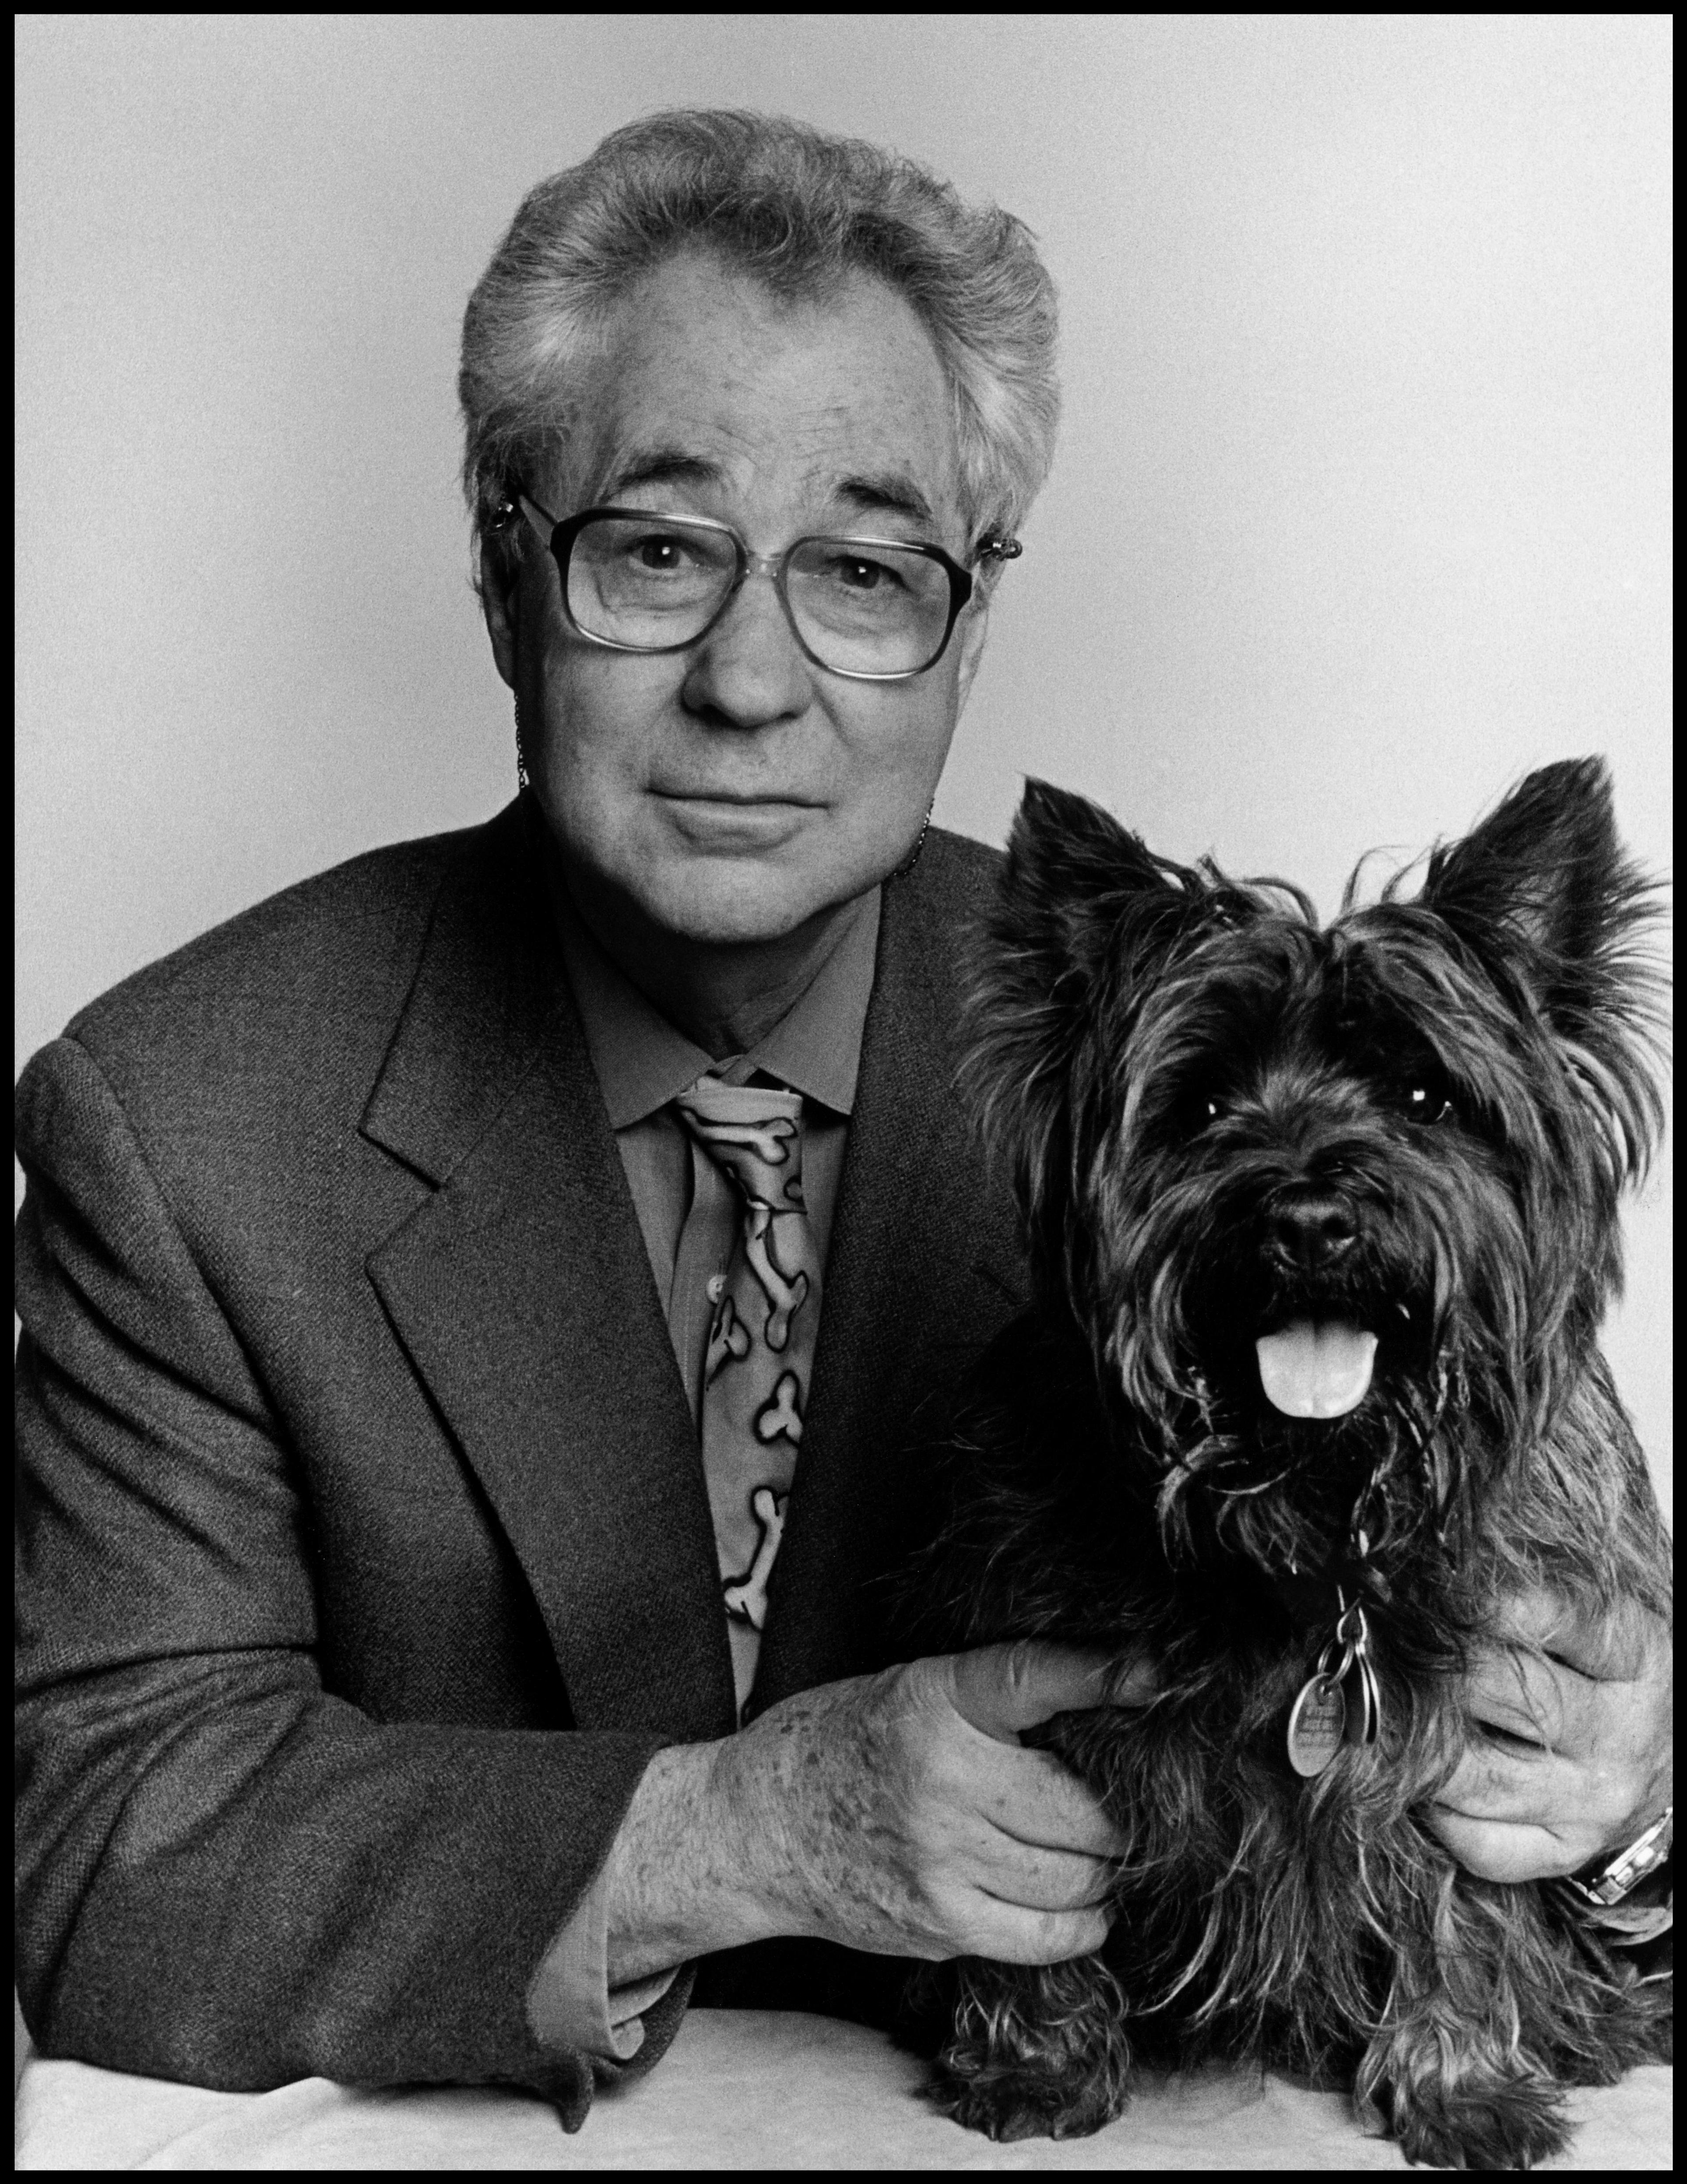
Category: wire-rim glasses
[872,610]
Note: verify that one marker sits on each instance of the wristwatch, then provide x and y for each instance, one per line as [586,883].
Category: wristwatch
[1609,1883]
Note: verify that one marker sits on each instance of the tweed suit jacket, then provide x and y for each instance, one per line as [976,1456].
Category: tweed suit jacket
[364,1554]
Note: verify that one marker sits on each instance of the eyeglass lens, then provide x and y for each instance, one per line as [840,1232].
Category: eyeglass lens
[864,609]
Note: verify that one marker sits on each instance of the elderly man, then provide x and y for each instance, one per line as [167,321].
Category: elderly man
[476,1304]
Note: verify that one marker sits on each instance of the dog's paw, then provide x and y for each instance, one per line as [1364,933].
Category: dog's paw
[1012,2105]
[1036,2051]
[1510,2128]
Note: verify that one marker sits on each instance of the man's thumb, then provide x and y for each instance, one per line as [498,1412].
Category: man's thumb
[1004,1689]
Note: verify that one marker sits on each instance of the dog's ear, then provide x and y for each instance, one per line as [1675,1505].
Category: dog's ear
[1077,888]
[1083,909]
[1544,881]
[1543,892]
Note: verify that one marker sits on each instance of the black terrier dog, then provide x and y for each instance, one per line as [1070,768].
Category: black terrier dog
[1324,1220]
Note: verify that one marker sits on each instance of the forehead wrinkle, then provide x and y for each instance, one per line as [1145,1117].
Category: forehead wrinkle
[657,465]
[842,399]
[893,490]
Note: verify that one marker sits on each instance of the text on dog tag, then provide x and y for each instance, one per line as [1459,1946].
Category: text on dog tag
[1317,1722]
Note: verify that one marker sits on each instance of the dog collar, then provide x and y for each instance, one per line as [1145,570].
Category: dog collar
[1310,1598]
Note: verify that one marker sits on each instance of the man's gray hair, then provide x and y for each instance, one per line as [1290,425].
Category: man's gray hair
[800,211]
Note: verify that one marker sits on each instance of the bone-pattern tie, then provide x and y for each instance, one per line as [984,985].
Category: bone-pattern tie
[761,1349]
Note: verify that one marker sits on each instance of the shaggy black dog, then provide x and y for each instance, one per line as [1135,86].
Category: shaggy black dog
[1324,1220]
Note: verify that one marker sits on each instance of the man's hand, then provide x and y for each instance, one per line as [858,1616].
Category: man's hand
[897,1813]
[1570,1751]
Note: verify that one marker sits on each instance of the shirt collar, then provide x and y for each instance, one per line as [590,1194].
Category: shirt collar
[642,1062]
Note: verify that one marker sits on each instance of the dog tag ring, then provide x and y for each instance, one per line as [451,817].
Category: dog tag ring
[1317,1722]
[1364,1699]
[1373,1700]
[1364,1702]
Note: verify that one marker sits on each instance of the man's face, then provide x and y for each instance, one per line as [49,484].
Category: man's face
[730,791]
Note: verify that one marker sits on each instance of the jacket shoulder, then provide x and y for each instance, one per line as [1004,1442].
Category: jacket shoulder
[961,874]
[301,991]
[932,918]
[324,943]
[947,895]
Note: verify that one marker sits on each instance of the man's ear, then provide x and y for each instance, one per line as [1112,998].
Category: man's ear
[975,627]
[500,581]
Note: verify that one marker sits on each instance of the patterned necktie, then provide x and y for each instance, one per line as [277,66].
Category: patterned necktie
[760,1350]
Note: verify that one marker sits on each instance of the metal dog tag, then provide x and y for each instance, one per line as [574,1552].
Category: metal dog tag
[1317,1723]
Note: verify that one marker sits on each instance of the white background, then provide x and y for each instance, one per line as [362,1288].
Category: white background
[1362,506]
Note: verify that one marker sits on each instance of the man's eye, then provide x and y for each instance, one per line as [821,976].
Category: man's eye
[659,554]
[854,573]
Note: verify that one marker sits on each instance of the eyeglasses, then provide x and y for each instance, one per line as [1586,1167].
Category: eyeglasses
[874,610]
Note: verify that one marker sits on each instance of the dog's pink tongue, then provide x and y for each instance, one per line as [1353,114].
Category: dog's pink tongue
[1316,1368]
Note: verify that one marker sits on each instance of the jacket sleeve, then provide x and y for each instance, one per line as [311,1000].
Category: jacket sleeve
[226,1874]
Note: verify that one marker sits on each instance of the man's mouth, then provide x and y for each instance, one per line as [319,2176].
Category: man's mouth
[717,820]
[740,799]
[1316,1368]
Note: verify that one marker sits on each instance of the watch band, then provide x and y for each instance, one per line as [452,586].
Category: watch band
[1610,1883]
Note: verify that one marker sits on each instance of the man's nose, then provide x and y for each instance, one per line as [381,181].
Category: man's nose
[750,670]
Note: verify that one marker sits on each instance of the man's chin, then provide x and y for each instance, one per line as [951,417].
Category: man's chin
[754,916]
[745,902]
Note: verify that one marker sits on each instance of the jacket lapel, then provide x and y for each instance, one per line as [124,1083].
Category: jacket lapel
[521,1293]
[924,1265]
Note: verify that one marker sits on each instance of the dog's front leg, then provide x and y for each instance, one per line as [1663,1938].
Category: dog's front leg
[1036,2050]
[1458,2069]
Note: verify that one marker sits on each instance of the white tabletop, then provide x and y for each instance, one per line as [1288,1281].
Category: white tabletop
[739,2089]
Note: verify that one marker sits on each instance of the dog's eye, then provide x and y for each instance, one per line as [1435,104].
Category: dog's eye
[1427,1102]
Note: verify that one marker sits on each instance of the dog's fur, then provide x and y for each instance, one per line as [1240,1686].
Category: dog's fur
[1169,1059]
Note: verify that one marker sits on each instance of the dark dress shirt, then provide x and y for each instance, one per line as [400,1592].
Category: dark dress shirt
[685,1209]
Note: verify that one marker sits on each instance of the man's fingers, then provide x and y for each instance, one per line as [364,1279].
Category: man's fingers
[1492,1782]
[1042,1803]
[1135,1682]
[1501,1850]
[1013,1936]
[1567,1743]
[1615,1646]
[1547,1702]
[1005,1689]
[1036,1880]
[1534,1615]
[1548,1796]
[1518,1692]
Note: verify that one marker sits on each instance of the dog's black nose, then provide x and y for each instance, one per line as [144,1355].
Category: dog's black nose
[1310,1234]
